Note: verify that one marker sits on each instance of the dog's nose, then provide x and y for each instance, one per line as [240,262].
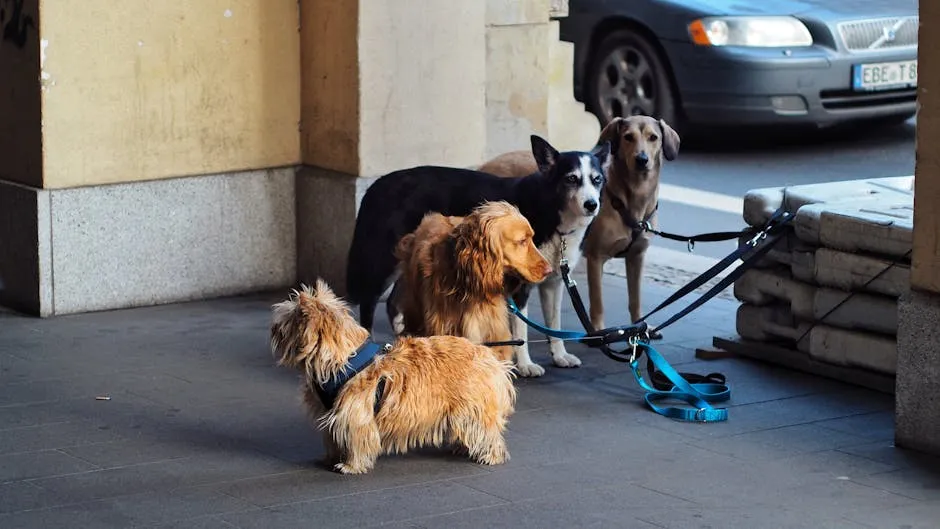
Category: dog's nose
[546,269]
[590,205]
[642,159]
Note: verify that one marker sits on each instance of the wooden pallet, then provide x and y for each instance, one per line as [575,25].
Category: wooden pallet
[800,361]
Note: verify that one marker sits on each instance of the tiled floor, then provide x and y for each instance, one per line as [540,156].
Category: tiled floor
[203,431]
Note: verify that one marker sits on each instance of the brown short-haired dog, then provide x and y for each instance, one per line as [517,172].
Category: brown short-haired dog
[420,391]
[640,145]
[453,273]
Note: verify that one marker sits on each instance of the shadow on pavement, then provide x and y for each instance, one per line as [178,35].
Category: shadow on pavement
[802,139]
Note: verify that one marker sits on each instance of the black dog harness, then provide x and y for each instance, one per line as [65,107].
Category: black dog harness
[358,361]
[638,227]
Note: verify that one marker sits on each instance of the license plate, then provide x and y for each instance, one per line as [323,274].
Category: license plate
[884,75]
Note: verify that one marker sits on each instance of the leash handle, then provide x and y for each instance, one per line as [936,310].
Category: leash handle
[699,396]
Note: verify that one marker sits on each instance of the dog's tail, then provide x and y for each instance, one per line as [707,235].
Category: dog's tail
[405,247]
[371,258]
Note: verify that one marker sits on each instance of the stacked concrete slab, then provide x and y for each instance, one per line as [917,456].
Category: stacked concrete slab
[845,233]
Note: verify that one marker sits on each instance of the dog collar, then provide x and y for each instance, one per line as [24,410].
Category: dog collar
[358,361]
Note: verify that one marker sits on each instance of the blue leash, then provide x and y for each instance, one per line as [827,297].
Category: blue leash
[554,333]
[700,395]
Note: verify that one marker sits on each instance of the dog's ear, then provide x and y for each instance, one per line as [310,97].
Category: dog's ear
[611,134]
[479,256]
[545,155]
[603,154]
[670,141]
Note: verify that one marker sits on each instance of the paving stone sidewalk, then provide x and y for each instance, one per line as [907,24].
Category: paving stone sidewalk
[203,431]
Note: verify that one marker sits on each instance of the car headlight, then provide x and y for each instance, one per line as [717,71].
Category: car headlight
[763,32]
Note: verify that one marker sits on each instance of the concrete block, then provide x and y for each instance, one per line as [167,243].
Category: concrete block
[884,227]
[917,416]
[175,240]
[852,348]
[849,271]
[766,286]
[776,354]
[516,12]
[860,311]
[770,323]
[146,243]
[825,343]
[785,251]
[327,206]
[759,204]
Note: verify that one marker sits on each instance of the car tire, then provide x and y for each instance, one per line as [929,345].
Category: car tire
[643,88]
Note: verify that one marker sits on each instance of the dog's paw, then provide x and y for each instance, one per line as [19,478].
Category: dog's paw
[566,360]
[530,370]
[343,468]
[398,324]
[494,457]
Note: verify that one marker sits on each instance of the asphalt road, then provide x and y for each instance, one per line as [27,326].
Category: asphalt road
[703,188]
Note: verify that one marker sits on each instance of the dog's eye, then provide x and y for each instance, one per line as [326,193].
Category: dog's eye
[628,136]
[521,242]
[597,179]
[573,179]
[653,137]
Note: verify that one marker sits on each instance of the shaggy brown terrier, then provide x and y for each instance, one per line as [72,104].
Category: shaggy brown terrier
[421,391]
[453,273]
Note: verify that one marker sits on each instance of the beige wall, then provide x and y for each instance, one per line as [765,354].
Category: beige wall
[330,84]
[390,84]
[20,105]
[141,89]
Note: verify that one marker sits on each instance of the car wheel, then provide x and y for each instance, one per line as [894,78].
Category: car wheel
[626,78]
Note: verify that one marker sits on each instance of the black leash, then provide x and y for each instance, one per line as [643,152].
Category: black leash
[771,229]
[757,247]
[645,226]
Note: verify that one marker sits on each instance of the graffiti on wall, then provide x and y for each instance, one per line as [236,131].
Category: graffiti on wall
[14,22]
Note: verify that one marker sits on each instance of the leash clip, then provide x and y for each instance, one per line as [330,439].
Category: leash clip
[566,272]
[690,244]
[700,415]
[645,225]
[761,235]
[633,341]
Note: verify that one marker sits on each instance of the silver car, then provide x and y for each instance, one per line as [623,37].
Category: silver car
[732,62]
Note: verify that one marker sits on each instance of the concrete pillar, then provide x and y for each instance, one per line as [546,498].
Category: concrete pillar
[146,151]
[917,415]
[529,79]
[385,85]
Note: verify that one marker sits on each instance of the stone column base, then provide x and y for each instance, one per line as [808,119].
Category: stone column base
[917,415]
[327,207]
[145,243]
